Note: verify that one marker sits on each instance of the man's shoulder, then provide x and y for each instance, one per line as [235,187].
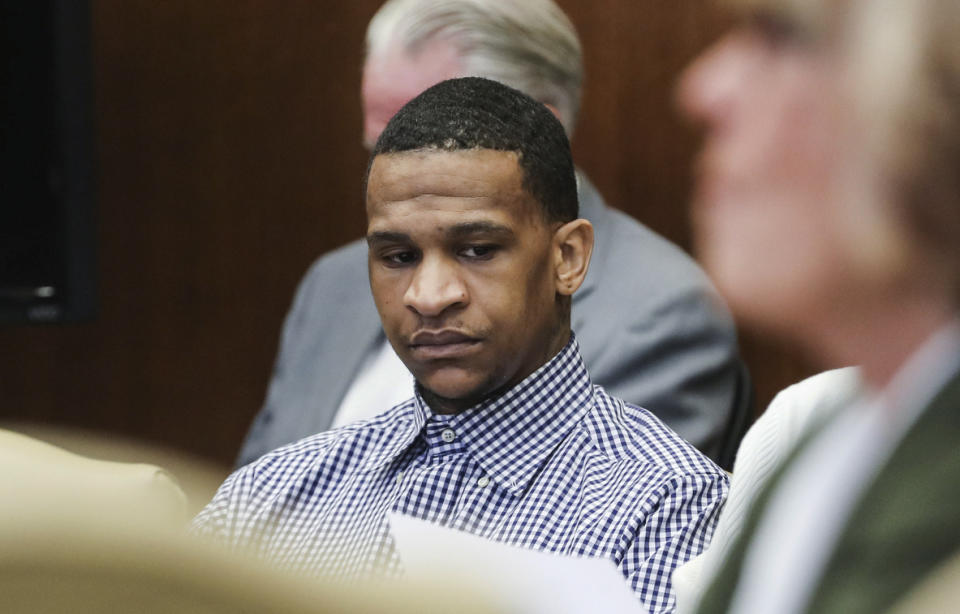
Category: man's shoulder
[336,282]
[625,243]
[649,256]
[347,260]
[627,433]
[636,274]
[348,447]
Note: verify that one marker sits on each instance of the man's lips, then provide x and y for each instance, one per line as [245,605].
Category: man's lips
[442,344]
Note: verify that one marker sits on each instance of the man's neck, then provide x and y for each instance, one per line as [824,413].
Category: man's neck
[444,405]
[881,338]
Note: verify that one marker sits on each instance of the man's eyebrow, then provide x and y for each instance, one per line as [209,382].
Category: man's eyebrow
[473,228]
[464,229]
[386,236]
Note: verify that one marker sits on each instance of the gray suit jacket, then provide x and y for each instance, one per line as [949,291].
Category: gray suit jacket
[651,331]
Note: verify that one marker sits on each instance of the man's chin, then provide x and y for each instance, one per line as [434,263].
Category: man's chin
[452,395]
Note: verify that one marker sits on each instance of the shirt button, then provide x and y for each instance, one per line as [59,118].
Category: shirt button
[448,435]
[482,482]
[399,477]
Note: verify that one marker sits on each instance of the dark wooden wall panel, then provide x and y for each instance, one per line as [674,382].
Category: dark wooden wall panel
[229,157]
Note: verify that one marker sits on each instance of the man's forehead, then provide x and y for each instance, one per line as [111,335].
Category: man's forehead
[459,173]
[449,184]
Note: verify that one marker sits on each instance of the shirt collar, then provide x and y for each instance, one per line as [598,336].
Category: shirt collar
[411,421]
[511,436]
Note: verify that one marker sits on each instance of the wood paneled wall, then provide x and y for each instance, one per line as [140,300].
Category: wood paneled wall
[229,157]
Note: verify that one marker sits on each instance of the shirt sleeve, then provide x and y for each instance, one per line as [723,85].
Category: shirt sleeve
[213,521]
[675,525]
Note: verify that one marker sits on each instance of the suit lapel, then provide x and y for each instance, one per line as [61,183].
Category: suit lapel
[343,333]
[355,336]
[908,520]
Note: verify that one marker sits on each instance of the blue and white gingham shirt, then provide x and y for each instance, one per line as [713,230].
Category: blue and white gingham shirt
[553,464]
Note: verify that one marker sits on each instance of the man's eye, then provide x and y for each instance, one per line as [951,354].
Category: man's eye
[399,258]
[478,252]
[778,31]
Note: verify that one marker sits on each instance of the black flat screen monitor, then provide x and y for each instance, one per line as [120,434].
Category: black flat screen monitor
[46,182]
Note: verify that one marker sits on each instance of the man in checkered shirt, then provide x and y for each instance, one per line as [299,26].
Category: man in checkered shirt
[475,249]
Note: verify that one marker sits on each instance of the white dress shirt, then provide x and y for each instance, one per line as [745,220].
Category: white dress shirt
[382,382]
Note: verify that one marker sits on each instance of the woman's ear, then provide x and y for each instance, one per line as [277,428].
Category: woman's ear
[572,247]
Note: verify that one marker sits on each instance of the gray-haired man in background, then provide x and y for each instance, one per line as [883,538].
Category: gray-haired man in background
[650,327]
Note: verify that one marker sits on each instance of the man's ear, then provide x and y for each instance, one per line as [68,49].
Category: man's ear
[572,247]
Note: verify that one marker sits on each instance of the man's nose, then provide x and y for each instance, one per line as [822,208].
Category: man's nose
[436,286]
[708,87]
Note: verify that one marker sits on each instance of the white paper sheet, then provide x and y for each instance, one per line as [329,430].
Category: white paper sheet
[517,579]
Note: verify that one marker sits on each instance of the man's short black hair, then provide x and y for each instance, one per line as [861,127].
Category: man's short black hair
[475,113]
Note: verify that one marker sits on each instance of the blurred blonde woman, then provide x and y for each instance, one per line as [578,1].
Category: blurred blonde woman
[828,212]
